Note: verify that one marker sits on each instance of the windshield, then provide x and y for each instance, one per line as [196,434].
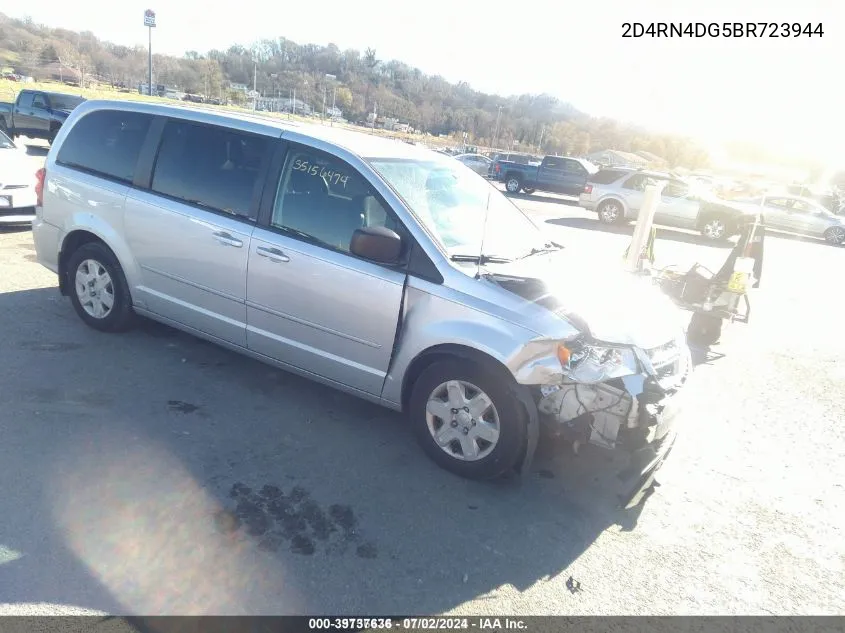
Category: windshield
[6,142]
[452,200]
[65,102]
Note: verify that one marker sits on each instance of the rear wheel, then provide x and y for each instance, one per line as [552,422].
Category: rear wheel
[98,288]
[52,136]
[467,419]
[611,212]
[513,184]
[835,235]
[715,228]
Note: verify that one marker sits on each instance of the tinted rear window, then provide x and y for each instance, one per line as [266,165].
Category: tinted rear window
[607,176]
[107,143]
[210,166]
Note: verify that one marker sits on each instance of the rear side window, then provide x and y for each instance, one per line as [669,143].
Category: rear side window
[106,143]
[210,166]
[574,167]
[607,176]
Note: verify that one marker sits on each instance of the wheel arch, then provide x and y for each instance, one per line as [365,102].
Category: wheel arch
[78,237]
[450,351]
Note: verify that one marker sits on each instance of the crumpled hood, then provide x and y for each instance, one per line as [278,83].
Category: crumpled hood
[616,307]
[15,168]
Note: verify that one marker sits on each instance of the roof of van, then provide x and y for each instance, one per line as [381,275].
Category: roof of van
[367,146]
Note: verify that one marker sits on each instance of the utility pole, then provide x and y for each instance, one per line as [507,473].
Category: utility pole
[496,133]
[375,115]
[540,144]
[150,22]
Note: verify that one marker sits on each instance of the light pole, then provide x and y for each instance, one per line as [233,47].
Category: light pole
[150,22]
[328,78]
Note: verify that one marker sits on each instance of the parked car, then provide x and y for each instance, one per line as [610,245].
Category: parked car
[616,195]
[37,114]
[479,163]
[437,296]
[555,174]
[17,184]
[522,159]
[801,215]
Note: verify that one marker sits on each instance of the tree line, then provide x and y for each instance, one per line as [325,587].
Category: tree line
[363,82]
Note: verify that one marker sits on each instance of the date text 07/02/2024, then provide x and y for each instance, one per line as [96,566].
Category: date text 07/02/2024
[418,624]
[722,29]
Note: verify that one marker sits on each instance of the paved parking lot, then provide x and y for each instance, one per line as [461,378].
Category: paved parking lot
[122,456]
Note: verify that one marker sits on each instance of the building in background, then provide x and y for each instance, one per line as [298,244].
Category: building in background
[654,161]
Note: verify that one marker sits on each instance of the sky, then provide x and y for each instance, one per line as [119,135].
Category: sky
[786,93]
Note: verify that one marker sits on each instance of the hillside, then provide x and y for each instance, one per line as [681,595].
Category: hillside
[537,123]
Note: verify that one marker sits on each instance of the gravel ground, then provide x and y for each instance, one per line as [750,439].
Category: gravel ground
[154,473]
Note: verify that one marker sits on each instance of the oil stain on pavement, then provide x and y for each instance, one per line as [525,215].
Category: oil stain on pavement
[276,518]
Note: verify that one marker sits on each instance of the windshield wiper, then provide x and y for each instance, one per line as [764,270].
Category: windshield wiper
[480,259]
[549,247]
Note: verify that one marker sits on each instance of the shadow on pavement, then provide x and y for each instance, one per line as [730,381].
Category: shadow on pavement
[15,228]
[628,229]
[550,198]
[154,473]
[703,355]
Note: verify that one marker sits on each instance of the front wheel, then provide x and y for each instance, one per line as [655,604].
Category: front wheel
[99,292]
[835,235]
[513,184]
[467,419]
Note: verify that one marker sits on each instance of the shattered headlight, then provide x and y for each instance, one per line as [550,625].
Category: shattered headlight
[591,363]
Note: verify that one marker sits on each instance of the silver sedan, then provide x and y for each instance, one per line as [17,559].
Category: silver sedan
[801,215]
[477,162]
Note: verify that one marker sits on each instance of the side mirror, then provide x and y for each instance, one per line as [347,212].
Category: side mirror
[376,243]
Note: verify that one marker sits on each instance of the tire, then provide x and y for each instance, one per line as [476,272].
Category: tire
[704,329]
[528,190]
[715,228]
[505,414]
[835,235]
[92,260]
[513,184]
[611,212]
[52,136]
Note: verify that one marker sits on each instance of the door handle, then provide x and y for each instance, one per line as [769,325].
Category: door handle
[224,238]
[273,254]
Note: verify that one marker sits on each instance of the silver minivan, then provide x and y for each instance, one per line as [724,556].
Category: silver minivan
[377,267]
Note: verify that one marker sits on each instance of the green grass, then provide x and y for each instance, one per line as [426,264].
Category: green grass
[9,91]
